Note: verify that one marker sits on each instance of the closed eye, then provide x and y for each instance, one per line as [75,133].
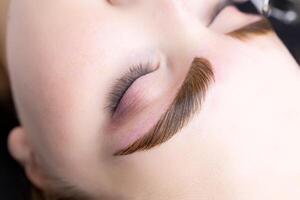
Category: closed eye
[122,85]
[217,10]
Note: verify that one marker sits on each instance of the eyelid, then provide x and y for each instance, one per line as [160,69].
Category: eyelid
[123,84]
[217,10]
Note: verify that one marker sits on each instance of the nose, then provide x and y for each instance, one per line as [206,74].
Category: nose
[171,19]
[170,27]
[178,30]
[172,24]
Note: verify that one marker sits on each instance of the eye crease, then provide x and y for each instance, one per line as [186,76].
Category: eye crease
[218,9]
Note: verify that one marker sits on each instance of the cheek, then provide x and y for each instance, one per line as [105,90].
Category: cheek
[61,66]
[54,66]
[178,167]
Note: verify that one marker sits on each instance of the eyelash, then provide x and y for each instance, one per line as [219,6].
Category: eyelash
[124,83]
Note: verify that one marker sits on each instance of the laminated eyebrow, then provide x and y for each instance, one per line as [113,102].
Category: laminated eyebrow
[261,27]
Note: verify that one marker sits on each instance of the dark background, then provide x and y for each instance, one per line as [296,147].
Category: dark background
[14,186]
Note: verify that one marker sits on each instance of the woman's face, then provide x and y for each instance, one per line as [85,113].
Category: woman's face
[67,62]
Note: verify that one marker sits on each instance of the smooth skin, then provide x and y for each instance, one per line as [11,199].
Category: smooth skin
[3,19]
[63,57]
[4,88]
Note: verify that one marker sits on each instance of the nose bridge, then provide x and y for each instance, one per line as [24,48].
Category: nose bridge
[173,34]
[177,30]
[173,30]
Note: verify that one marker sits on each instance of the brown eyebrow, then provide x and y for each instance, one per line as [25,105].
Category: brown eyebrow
[260,27]
[187,101]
